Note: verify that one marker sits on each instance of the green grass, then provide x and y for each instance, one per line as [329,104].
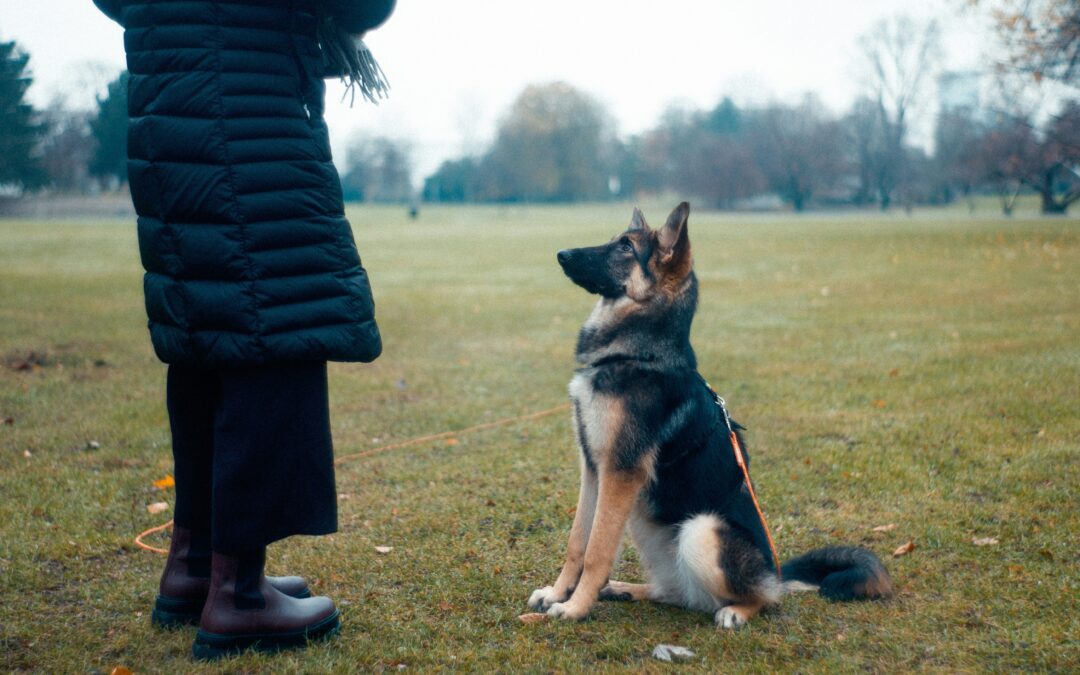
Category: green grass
[923,372]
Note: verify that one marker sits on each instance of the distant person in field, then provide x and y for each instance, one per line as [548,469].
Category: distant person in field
[253,282]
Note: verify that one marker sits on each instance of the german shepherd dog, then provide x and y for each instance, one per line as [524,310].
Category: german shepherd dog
[656,454]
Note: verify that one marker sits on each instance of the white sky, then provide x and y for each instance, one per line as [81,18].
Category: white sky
[456,66]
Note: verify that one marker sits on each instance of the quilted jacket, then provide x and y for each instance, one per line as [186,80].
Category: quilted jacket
[249,258]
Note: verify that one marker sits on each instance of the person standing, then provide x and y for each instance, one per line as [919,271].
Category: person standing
[253,283]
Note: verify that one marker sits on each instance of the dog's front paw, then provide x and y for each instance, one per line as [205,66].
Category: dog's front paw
[567,611]
[543,598]
[727,617]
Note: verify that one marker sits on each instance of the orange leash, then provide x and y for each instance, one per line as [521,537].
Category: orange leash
[740,459]
[385,448]
[753,496]
[148,547]
[450,434]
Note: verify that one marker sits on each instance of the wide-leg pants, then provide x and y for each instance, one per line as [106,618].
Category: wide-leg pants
[254,460]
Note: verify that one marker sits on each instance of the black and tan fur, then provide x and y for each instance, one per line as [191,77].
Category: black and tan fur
[656,458]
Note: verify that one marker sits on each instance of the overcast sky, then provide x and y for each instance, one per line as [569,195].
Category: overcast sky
[456,66]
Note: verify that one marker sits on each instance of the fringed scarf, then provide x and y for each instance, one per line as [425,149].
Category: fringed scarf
[346,54]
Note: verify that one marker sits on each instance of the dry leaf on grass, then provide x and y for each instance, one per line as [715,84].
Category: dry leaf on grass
[157,507]
[383,549]
[885,528]
[532,617]
[880,403]
[164,483]
[984,541]
[120,670]
[904,549]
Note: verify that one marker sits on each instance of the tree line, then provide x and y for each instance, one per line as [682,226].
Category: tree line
[732,157]
[557,143]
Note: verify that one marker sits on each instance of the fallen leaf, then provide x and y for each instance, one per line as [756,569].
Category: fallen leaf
[879,403]
[157,507]
[894,372]
[885,528]
[984,541]
[27,454]
[904,549]
[165,483]
[445,606]
[672,653]
[532,617]
[383,549]
[452,441]
[120,670]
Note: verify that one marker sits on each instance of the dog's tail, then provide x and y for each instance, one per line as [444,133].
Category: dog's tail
[838,573]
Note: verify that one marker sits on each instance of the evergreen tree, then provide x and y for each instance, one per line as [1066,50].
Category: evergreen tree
[20,130]
[109,129]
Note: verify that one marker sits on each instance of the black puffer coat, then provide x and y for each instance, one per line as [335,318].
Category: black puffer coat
[249,258]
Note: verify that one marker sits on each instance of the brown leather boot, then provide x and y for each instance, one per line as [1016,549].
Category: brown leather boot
[244,611]
[186,581]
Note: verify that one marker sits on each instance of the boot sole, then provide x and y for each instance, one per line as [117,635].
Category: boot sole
[213,646]
[172,613]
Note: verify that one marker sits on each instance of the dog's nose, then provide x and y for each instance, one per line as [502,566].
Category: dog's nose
[564,255]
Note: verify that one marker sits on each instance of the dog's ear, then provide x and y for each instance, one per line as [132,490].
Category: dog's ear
[673,238]
[637,221]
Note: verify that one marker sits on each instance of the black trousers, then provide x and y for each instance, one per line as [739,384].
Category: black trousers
[253,454]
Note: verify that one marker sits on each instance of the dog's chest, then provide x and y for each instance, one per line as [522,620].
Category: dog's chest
[596,415]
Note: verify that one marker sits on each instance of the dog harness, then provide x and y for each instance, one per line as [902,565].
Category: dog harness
[741,461]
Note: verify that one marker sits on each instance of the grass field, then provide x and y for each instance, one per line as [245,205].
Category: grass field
[918,372]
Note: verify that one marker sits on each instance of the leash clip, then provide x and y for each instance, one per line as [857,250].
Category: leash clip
[724,411]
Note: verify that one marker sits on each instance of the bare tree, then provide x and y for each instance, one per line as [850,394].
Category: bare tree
[67,147]
[704,154]
[958,137]
[377,169]
[901,56]
[1014,153]
[1042,37]
[1005,156]
[798,149]
[555,144]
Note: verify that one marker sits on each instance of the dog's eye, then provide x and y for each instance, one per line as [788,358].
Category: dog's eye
[625,246]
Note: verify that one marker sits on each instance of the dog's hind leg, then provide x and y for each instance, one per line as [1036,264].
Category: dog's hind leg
[722,572]
[622,591]
[543,598]
[655,545]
